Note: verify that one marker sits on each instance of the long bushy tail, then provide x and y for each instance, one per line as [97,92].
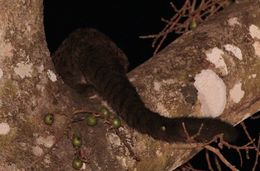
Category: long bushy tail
[97,59]
[123,98]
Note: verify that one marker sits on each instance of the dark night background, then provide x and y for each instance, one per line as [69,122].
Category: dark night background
[123,21]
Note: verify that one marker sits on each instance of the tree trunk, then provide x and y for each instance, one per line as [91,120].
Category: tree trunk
[213,70]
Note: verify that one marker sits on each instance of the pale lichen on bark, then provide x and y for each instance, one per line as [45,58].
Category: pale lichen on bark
[29,88]
[26,90]
[236,61]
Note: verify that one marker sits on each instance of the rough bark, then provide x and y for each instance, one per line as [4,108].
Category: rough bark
[174,83]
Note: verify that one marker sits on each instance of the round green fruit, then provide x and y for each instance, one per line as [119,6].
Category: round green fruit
[104,112]
[116,122]
[91,120]
[193,24]
[76,141]
[49,119]
[77,163]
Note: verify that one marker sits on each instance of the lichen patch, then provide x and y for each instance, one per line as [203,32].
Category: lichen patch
[125,162]
[40,68]
[122,161]
[233,21]
[47,159]
[157,86]
[132,79]
[234,50]
[23,69]
[170,81]
[215,56]
[211,93]
[252,76]
[113,139]
[52,76]
[46,141]
[6,48]
[254,31]
[236,93]
[4,128]
[1,73]
[37,151]
[256,46]
[158,153]
[162,110]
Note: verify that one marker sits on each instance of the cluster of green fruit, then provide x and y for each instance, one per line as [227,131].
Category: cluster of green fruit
[91,120]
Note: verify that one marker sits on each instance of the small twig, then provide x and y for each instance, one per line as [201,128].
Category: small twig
[191,138]
[165,20]
[188,167]
[174,7]
[243,147]
[187,12]
[248,146]
[217,163]
[238,148]
[255,117]
[208,161]
[193,5]
[247,134]
[221,157]
[257,154]
[197,145]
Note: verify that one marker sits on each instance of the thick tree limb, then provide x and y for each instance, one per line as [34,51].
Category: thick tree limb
[211,70]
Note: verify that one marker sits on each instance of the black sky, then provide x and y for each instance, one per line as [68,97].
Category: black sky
[123,21]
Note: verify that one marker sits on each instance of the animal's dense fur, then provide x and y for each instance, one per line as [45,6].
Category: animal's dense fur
[87,57]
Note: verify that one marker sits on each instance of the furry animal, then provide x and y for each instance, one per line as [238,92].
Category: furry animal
[88,58]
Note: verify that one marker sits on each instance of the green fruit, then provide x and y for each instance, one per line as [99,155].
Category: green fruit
[193,24]
[76,141]
[49,119]
[116,122]
[77,163]
[91,120]
[104,112]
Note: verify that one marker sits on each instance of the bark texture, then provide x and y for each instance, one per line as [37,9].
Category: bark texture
[213,70]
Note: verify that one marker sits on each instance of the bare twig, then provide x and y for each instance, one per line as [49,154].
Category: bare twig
[191,138]
[221,157]
[257,154]
[208,161]
[187,167]
[255,117]
[217,163]
[246,132]
[188,13]
[248,146]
